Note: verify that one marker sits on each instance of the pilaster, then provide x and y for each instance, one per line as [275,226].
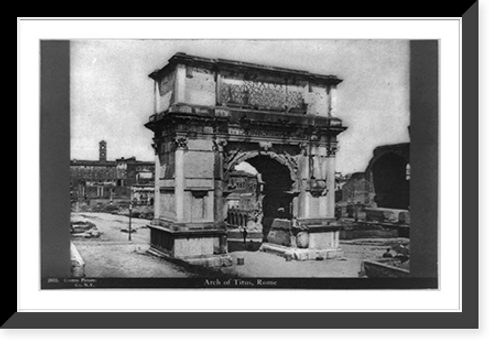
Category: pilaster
[180,143]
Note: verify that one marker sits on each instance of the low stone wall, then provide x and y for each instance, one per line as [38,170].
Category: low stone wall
[117,207]
[388,215]
[369,233]
[380,269]
[356,230]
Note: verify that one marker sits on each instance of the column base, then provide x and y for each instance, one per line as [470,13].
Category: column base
[312,240]
[302,254]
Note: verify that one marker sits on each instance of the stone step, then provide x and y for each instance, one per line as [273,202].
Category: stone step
[302,254]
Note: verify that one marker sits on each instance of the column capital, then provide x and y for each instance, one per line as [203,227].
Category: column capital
[331,149]
[218,144]
[304,148]
[265,146]
[180,142]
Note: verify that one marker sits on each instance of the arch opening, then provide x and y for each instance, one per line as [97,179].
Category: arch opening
[270,198]
[391,182]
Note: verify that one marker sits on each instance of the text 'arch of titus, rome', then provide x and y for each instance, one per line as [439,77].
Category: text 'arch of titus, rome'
[212,114]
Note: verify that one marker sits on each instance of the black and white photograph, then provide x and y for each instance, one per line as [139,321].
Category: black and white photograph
[241,163]
[247,173]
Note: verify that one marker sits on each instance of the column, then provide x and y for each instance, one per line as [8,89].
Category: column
[157,187]
[295,206]
[323,162]
[219,210]
[303,173]
[330,180]
[336,238]
[218,89]
[156,95]
[307,96]
[180,144]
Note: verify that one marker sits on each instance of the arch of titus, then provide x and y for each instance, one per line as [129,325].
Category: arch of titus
[212,114]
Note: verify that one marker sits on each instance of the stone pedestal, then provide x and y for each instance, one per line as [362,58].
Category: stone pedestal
[311,241]
[281,233]
[197,246]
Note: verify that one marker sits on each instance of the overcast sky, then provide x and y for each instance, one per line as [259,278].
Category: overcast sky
[112,96]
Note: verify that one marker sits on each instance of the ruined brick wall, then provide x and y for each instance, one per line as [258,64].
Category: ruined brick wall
[358,190]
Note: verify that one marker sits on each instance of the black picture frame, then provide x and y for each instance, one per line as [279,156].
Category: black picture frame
[56,211]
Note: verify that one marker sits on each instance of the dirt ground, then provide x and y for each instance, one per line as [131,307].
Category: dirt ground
[127,261]
[113,255]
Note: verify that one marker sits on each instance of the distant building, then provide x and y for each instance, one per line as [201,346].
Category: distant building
[244,191]
[121,179]
[244,203]
[356,192]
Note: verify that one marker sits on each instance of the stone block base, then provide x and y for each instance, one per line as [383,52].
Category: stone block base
[193,245]
[302,254]
[222,260]
[211,261]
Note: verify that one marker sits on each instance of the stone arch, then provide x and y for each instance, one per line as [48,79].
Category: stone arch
[400,149]
[278,185]
[284,159]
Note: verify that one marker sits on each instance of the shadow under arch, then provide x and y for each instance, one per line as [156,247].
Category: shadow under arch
[276,186]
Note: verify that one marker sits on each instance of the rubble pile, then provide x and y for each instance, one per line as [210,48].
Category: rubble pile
[83,228]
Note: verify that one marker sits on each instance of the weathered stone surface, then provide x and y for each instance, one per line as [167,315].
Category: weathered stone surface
[281,232]
[386,215]
[167,205]
[221,260]
[281,225]
[199,164]
[302,254]
[302,240]
[322,240]
[280,238]
[404,217]
[379,215]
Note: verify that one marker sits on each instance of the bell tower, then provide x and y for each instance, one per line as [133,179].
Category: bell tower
[102,151]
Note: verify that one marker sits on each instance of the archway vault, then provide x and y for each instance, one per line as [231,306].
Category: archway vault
[263,162]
